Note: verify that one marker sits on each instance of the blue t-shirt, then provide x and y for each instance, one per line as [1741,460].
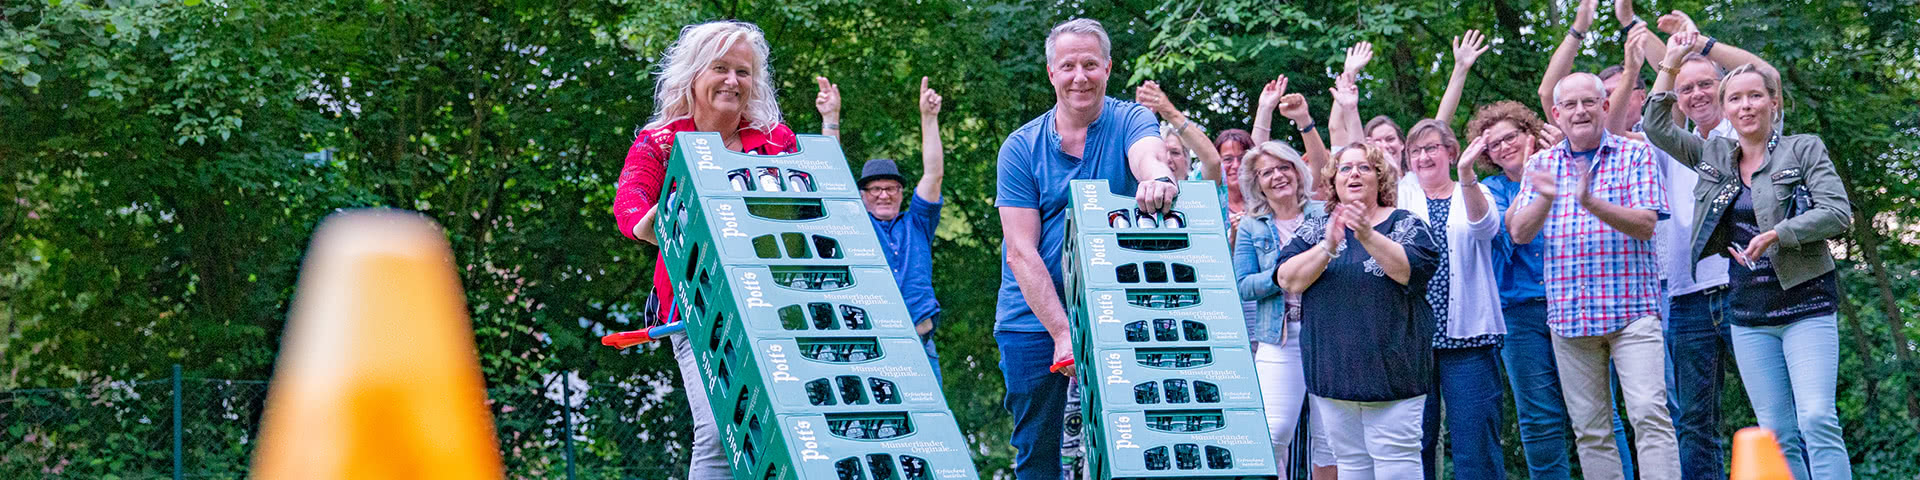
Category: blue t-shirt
[1034,173]
[908,243]
[1519,269]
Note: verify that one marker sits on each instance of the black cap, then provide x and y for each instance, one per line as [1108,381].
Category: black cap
[880,169]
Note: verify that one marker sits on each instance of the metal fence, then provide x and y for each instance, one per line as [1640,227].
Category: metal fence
[187,427]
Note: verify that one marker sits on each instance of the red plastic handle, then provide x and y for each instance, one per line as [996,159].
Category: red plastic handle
[626,339]
[1061,364]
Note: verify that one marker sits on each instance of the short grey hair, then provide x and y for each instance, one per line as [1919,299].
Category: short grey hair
[1589,78]
[1256,199]
[1083,26]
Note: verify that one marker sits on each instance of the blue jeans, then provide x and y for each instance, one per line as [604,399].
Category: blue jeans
[1697,343]
[1791,373]
[1036,397]
[1534,376]
[1470,383]
[927,341]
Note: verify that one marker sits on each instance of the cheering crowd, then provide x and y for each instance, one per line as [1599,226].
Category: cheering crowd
[1612,254]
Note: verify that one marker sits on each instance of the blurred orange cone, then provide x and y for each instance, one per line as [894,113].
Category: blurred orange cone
[1756,456]
[378,377]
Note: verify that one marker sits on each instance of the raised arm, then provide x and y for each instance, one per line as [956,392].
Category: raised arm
[828,103]
[933,157]
[1294,107]
[1343,121]
[1662,126]
[1343,118]
[1728,56]
[1150,95]
[1562,62]
[1623,11]
[1263,111]
[1466,49]
[1620,115]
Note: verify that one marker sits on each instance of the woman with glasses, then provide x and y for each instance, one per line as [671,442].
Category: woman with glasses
[1368,364]
[1469,327]
[1276,185]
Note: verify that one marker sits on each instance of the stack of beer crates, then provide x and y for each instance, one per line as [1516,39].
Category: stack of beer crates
[804,344]
[1161,348]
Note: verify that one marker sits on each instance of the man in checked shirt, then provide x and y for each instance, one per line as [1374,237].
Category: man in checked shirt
[1602,277]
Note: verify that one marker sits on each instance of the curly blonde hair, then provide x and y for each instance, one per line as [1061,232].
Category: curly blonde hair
[1387,174]
[698,47]
[1492,114]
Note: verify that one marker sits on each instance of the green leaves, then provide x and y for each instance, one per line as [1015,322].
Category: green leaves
[158,147]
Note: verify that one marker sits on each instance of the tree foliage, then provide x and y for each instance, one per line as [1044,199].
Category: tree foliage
[161,170]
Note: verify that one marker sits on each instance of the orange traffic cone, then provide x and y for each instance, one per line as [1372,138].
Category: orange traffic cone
[1756,456]
[378,377]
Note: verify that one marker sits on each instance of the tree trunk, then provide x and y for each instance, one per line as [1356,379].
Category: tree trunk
[1889,306]
[1857,331]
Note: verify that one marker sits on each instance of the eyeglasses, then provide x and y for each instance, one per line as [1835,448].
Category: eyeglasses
[1687,89]
[1429,150]
[1506,139]
[889,190]
[1583,103]
[1270,171]
[1355,167]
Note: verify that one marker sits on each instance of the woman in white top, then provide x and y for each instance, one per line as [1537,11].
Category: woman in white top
[1468,326]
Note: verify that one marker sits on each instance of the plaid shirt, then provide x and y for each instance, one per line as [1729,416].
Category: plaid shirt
[1598,278]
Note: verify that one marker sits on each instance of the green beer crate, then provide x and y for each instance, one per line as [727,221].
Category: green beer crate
[771,231]
[1169,377]
[893,445]
[701,166]
[1189,444]
[1147,259]
[1097,210]
[818,374]
[752,301]
[1155,317]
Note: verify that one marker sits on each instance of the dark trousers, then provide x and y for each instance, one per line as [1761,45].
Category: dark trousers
[1698,341]
[1036,397]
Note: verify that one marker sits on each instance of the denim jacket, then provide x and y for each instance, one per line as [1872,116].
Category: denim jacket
[1256,252]
[1797,160]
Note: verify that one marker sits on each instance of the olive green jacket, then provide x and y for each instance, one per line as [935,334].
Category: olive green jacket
[1801,252]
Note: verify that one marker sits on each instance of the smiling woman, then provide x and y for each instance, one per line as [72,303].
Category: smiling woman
[1368,365]
[714,79]
[1771,202]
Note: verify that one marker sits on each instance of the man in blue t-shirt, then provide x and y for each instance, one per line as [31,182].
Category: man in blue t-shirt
[907,237]
[1086,135]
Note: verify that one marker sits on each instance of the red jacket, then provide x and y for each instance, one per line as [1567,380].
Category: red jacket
[646,167]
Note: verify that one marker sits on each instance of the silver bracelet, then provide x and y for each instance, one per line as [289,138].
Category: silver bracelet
[830,126]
